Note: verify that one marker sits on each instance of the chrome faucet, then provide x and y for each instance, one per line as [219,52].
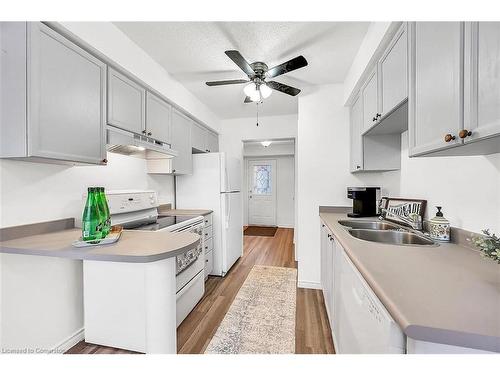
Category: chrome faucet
[415,223]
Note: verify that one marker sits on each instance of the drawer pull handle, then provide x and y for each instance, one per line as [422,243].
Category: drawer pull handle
[449,138]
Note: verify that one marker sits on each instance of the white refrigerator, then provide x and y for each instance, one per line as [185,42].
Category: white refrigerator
[215,184]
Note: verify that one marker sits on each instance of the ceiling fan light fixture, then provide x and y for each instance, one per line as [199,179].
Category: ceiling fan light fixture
[250,89]
[265,91]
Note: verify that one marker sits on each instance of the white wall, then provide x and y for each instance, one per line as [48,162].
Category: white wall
[322,171]
[285,189]
[370,50]
[41,297]
[468,187]
[235,131]
[113,43]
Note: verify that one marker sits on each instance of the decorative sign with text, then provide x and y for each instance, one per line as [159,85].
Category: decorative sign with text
[404,211]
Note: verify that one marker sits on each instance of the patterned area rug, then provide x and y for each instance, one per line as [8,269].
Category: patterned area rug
[261,319]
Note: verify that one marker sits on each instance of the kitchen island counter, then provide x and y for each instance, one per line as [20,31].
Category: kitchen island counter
[132,247]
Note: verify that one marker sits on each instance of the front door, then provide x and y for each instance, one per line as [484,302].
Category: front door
[262,192]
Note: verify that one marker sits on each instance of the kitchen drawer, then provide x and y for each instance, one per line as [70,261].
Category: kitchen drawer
[208,220]
[209,245]
[207,232]
[189,296]
[209,263]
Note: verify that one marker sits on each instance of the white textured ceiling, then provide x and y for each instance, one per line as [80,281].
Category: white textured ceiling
[193,52]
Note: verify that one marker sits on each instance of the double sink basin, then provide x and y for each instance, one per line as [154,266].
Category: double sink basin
[380,231]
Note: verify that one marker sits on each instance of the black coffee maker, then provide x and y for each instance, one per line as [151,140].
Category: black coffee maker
[365,201]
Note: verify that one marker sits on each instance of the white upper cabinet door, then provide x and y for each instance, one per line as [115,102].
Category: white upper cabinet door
[356,123]
[435,96]
[126,103]
[393,72]
[370,102]
[212,142]
[67,103]
[198,137]
[158,118]
[181,142]
[482,81]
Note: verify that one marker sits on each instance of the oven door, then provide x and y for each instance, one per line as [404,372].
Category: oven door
[191,262]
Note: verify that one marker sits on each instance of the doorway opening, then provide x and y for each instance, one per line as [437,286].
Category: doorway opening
[269,199]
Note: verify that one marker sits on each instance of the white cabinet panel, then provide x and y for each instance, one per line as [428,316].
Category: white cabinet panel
[198,137]
[482,101]
[158,118]
[370,102]
[393,72]
[126,103]
[435,85]
[181,142]
[56,109]
[212,142]
[356,123]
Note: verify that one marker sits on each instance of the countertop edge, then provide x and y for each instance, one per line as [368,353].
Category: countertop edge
[418,332]
[455,338]
[81,254]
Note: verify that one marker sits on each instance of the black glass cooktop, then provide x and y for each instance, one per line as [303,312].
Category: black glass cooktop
[161,223]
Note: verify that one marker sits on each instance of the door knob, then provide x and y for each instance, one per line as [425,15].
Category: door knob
[449,138]
[464,133]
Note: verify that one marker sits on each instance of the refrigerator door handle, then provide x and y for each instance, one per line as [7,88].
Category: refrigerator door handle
[228,208]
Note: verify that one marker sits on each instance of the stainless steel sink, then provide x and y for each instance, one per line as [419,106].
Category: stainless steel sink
[366,224]
[392,237]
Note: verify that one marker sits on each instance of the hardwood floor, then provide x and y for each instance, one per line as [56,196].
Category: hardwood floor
[312,330]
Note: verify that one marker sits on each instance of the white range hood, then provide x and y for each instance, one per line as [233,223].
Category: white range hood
[127,143]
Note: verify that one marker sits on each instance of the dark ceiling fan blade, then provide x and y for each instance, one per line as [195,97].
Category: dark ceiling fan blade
[227,82]
[293,64]
[247,100]
[240,61]
[283,88]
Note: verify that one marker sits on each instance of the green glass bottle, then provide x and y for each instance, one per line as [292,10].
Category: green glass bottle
[104,210]
[91,217]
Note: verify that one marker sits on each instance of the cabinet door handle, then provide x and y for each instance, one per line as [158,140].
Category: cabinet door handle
[144,132]
[358,166]
[173,170]
[105,161]
[464,133]
[449,138]
[150,134]
[374,119]
[378,115]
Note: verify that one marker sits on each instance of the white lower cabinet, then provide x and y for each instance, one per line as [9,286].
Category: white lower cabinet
[208,241]
[359,321]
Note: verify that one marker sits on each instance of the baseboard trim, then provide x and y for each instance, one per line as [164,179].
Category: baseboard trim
[288,226]
[69,342]
[308,284]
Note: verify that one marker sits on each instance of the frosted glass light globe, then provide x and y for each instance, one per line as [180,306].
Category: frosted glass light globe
[265,91]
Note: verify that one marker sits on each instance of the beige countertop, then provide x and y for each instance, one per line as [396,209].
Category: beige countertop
[182,212]
[446,294]
[133,246]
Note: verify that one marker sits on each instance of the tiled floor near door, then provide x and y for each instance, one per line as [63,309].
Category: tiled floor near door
[312,330]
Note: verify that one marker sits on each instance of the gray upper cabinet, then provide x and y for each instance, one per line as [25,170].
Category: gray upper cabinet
[158,118]
[369,94]
[356,122]
[198,137]
[393,72]
[126,103]
[212,142]
[53,97]
[181,142]
[203,140]
[482,82]
[435,97]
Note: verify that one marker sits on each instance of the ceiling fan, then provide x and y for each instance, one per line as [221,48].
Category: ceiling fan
[258,87]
